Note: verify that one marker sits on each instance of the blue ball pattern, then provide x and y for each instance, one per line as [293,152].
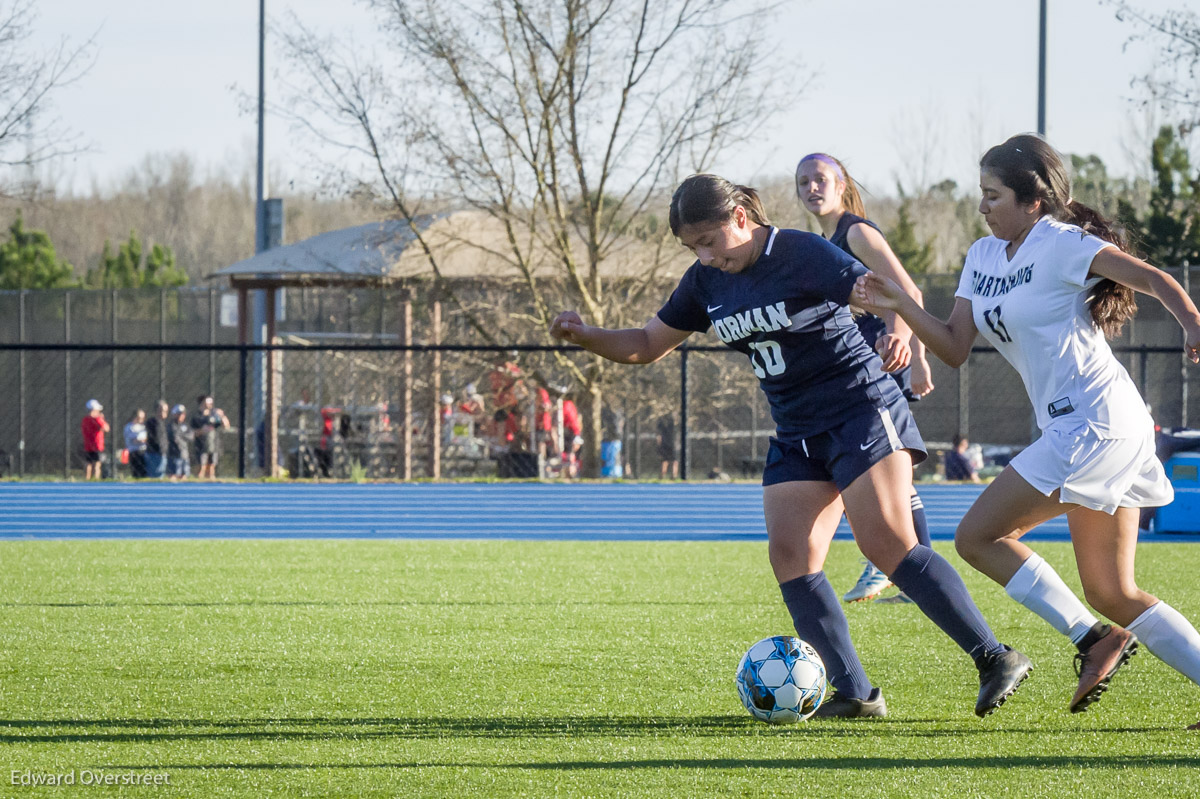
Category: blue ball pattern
[781,680]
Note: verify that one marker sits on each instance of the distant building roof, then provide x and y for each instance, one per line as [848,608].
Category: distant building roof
[466,245]
[362,254]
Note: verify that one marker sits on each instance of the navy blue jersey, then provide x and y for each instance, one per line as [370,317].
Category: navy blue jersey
[788,313]
[870,325]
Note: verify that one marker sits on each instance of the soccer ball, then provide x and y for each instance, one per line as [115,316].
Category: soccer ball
[781,680]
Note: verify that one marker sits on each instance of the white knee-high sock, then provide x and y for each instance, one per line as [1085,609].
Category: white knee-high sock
[1038,587]
[1170,637]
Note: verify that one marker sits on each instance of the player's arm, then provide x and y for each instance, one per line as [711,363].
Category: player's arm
[950,340]
[871,248]
[1123,268]
[630,345]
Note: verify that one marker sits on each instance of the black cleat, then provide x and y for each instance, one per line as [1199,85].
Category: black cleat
[999,676]
[840,706]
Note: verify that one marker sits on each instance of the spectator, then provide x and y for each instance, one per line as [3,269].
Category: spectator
[94,427]
[205,423]
[667,450]
[323,453]
[179,437]
[572,435]
[472,403]
[612,424]
[547,432]
[446,418]
[156,440]
[505,379]
[957,465]
[135,444]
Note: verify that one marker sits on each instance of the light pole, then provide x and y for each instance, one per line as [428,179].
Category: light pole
[1041,128]
[258,391]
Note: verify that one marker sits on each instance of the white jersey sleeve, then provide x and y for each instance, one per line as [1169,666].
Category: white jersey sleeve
[1074,251]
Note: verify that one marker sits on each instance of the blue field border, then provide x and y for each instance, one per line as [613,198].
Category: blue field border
[431,511]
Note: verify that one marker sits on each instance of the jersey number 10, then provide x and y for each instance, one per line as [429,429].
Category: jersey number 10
[771,355]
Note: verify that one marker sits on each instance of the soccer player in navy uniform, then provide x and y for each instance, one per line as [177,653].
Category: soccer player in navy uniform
[845,437]
[826,190]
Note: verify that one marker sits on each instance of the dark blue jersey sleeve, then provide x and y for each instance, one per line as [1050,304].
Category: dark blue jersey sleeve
[833,273]
[685,309]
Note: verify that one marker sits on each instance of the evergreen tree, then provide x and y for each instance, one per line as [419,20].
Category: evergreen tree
[1170,233]
[127,268]
[28,261]
[917,257]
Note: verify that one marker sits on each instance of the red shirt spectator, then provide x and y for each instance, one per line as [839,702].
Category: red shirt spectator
[93,433]
[571,422]
[545,416]
[503,380]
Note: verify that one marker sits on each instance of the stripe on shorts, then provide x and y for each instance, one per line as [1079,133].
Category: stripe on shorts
[893,436]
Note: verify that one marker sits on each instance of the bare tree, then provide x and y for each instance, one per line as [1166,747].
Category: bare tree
[1174,84]
[566,121]
[29,133]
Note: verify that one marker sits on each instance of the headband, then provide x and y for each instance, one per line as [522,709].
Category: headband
[825,160]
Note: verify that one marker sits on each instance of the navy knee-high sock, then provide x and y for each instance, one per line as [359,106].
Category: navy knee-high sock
[819,620]
[920,523]
[931,582]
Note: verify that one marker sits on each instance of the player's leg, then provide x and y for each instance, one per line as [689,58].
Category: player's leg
[802,517]
[878,505]
[988,537]
[1104,549]
[921,528]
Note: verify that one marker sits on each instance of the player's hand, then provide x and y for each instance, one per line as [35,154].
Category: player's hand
[893,351]
[569,327]
[1191,344]
[876,293]
[921,377]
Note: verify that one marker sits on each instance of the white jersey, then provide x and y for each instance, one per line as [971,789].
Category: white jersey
[1033,309]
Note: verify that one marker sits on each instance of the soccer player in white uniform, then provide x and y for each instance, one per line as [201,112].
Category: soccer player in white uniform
[1046,289]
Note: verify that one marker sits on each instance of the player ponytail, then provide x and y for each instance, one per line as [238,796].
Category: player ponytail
[706,199]
[852,201]
[1029,166]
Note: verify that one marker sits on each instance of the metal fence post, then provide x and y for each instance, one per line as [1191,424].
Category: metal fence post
[1185,363]
[242,411]
[683,413]
[21,379]
[405,439]
[435,429]
[116,442]
[212,339]
[67,386]
[964,398]
[162,339]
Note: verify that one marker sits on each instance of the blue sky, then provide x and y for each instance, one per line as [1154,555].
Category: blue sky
[900,89]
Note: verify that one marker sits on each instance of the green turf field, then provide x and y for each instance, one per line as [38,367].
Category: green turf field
[498,669]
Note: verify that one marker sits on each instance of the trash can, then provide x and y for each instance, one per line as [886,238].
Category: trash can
[1182,515]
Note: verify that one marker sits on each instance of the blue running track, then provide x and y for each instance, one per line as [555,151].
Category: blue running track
[528,511]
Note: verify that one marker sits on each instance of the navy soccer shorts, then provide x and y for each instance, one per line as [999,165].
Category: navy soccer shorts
[843,454]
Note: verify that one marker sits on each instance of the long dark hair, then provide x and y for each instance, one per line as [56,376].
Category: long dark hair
[1034,171]
[704,199]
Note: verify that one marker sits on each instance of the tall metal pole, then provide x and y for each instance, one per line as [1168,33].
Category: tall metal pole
[259,302]
[1041,128]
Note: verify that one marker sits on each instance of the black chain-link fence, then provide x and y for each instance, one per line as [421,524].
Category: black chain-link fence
[343,383]
[470,411]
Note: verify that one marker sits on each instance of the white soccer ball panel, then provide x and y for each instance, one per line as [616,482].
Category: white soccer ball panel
[807,674]
[762,650]
[788,696]
[773,673]
[783,716]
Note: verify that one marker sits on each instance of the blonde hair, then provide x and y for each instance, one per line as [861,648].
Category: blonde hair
[851,196]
